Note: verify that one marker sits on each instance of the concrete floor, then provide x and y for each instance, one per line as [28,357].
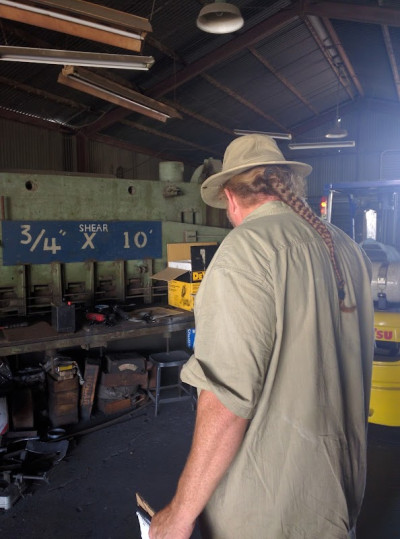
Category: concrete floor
[91,492]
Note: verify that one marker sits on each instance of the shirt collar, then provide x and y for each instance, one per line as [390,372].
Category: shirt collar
[272,207]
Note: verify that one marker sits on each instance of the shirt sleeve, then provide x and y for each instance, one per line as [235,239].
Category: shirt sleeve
[235,333]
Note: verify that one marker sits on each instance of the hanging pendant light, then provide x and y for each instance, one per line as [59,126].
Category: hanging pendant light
[219,18]
[337,130]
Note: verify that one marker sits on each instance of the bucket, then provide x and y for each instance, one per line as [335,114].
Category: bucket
[171,171]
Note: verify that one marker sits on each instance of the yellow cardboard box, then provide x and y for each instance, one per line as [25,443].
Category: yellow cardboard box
[183,283]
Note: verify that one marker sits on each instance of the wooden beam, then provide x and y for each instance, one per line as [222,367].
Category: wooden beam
[282,79]
[329,58]
[243,101]
[343,55]
[392,58]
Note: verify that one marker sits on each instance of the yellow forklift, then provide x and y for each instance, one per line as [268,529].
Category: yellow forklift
[370,213]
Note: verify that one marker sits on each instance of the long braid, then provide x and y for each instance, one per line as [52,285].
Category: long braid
[298,205]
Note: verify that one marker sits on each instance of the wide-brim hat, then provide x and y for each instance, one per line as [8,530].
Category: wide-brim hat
[243,154]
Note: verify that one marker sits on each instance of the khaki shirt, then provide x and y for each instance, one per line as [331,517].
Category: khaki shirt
[273,346]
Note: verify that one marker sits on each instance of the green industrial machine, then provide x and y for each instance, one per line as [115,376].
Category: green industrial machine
[89,239]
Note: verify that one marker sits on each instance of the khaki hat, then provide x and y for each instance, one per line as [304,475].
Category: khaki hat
[243,154]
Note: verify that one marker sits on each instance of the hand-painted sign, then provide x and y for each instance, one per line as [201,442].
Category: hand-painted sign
[42,242]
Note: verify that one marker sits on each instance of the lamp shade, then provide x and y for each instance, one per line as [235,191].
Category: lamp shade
[337,131]
[219,18]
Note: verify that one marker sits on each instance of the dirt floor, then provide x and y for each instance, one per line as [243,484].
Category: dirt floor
[91,492]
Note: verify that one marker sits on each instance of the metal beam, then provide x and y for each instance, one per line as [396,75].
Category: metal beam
[352,12]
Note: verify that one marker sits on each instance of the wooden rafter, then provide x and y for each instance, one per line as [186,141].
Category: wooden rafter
[329,58]
[392,59]
[242,100]
[343,56]
[281,78]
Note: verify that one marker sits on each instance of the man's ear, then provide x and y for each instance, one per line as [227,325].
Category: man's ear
[232,204]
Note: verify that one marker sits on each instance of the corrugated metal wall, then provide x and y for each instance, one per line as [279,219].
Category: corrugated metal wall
[104,159]
[26,147]
[377,154]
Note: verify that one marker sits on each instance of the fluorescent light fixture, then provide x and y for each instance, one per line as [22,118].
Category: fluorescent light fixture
[75,58]
[281,136]
[92,21]
[321,145]
[103,88]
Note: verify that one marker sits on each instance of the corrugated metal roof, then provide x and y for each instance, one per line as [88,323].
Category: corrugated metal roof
[276,73]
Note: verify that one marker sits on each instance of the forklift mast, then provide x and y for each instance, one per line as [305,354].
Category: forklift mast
[369,213]
[365,210]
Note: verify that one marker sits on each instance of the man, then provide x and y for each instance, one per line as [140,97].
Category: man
[282,363]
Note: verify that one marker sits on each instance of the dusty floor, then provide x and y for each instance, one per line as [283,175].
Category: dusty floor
[91,493]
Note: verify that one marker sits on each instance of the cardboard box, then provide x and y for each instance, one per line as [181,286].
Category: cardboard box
[183,283]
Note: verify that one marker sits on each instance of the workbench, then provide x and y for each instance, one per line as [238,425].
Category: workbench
[41,337]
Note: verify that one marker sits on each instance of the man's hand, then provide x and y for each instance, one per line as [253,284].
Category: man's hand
[218,434]
[167,524]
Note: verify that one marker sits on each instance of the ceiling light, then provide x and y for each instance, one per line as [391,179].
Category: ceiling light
[337,130]
[74,58]
[82,19]
[219,18]
[281,136]
[103,88]
[320,145]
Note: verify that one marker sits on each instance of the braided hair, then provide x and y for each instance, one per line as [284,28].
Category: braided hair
[280,182]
